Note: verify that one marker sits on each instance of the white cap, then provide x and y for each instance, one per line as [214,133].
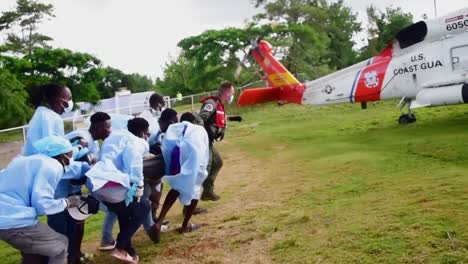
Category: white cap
[88,206]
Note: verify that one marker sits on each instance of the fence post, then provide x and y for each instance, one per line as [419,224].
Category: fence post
[24,135]
[116,98]
[191,97]
[74,120]
[130,110]
[168,100]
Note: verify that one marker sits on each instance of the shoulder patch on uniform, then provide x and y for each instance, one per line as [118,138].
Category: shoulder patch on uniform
[208,107]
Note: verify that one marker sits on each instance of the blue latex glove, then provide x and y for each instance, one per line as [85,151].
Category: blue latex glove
[130,194]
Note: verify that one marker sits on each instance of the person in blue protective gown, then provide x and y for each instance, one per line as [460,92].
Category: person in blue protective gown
[152,114]
[50,101]
[119,121]
[27,187]
[62,222]
[99,129]
[152,190]
[117,181]
[185,148]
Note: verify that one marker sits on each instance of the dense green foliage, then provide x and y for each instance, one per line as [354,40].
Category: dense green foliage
[311,37]
[27,60]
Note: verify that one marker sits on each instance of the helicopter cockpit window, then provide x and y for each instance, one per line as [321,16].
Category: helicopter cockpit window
[460,58]
[412,34]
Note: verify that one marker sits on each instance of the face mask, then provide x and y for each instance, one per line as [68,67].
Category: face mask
[70,106]
[143,145]
[67,168]
[156,112]
[145,136]
[231,99]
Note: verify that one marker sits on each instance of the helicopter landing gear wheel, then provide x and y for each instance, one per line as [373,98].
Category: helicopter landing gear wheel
[406,118]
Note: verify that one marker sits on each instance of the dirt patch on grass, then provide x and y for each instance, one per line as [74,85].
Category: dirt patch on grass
[229,235]
[232,231]
[8,151]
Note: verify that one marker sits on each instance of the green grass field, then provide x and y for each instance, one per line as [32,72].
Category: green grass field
[332,184]
[369,190]
[9,136]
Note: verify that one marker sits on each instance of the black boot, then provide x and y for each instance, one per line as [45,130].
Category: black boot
[198,210]
[209,196]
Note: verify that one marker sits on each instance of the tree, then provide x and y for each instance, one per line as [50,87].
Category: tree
[317,35]
[138,83]
[311,37]
[22,26]
[114,79]
[341,25]
[111,83]
[383,28]
[258,3]
[178,73]
[13,101]
[214,55]
[79,71]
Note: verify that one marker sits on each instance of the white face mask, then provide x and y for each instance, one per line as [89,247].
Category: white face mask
[67,168]
[231,99]
[157,112]
[143,146]
[70,106]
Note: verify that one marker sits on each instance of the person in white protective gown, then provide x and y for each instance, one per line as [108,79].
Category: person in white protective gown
[186,151]
[152,191]
[63,223]
[152,114]
[50,101]
[117,181]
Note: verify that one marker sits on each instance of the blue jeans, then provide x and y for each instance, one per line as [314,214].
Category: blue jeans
[108,226]
[130,219]
[148,222]
[111,218]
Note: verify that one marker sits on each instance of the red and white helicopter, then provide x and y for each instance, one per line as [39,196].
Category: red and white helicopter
[426,65]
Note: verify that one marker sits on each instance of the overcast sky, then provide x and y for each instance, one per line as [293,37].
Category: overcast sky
[139,35]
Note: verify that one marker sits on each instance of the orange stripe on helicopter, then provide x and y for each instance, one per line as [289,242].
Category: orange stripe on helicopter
[259,95]
[284,86]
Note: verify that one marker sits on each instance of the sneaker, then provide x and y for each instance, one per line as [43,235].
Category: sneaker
[209,196]
[164,228]
[107,246]
[86,258]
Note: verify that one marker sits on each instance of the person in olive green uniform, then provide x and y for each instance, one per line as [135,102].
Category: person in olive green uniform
[215,120]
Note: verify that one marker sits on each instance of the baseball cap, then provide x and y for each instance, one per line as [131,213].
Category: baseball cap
[88,206]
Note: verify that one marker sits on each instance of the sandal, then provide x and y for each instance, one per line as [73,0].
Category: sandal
[119,254]
[135,260]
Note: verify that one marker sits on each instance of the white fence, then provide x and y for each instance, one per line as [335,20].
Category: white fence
[130,104]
